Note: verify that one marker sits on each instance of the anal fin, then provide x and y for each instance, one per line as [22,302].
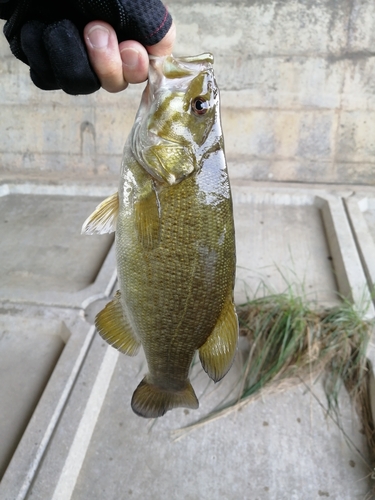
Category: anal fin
[114,328]
[151,401]
[217,353]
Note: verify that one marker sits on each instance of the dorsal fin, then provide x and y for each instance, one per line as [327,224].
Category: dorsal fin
[104,217]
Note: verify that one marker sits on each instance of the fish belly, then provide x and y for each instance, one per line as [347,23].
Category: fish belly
[174,287]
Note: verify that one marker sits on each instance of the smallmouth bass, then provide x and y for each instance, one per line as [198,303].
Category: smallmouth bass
[175,243]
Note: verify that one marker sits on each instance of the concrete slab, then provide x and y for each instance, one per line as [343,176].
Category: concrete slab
[29,350]
[296,239]
[361,211]
[282,447]
[45,257]
[57,389]
[46,263]
[45,230]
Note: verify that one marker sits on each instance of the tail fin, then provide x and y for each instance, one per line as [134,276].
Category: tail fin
[150,401]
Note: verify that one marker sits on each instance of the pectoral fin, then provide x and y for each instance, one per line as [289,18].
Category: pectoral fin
[147,219]
[104,218]
[114,328]
[218,352]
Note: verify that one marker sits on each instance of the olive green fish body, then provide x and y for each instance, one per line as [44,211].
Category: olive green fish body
[174,240]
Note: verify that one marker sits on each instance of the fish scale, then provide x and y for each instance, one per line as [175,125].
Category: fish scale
[170,266]
[175,241]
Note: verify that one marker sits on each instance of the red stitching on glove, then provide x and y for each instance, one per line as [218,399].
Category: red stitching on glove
[160,27]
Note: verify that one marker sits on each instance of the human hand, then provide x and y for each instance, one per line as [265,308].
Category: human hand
[118,64]
[48,36]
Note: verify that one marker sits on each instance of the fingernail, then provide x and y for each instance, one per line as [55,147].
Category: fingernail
[130,57]
[98,37]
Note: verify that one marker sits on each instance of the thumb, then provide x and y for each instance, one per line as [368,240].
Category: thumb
[165,46]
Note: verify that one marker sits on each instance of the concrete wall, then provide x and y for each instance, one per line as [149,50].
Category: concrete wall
[298,95]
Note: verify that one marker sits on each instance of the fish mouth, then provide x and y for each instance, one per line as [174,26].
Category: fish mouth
[179,67]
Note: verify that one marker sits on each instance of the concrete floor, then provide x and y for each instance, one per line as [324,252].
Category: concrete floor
[283,447]
[84,442]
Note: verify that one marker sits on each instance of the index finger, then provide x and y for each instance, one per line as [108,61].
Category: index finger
[165,46]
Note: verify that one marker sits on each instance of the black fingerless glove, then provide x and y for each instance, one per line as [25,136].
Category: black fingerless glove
[48,35]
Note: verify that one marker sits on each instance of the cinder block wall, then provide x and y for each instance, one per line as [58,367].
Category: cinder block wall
[297,80]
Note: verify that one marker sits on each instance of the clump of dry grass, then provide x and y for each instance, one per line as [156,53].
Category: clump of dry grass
[288,341]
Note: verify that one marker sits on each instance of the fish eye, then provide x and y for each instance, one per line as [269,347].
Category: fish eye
[200,105]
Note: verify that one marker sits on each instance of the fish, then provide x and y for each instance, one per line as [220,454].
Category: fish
[174,237]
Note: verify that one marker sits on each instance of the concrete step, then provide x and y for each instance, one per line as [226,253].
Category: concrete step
[29,351]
